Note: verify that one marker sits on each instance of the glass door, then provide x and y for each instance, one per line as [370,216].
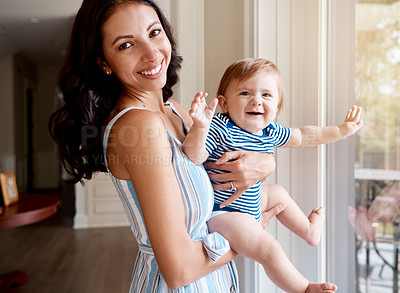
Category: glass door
[376,214]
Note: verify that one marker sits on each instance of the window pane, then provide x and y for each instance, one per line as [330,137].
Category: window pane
[376,214]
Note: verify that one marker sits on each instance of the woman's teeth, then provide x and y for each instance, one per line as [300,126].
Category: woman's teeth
[152,72]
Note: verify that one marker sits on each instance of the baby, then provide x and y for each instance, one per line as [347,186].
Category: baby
[250,95]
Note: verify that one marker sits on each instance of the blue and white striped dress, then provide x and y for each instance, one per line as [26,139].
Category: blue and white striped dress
[225,136]
[197,197]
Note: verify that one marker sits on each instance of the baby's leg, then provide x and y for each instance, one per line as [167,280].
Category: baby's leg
[292,217]
[247,237]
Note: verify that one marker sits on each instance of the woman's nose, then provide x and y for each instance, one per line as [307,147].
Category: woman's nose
[150,52]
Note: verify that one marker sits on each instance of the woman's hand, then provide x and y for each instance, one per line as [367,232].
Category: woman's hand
[245,169]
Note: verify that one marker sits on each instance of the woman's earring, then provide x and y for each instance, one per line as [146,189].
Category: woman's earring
[108,72]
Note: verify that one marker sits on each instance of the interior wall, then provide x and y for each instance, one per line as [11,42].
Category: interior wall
[6,48]
[45,162]
[25,77]
[7,155]
[17,75]
[187,19]
[224,39]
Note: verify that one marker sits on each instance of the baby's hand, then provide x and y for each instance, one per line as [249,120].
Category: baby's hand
[200,112]
[352,123]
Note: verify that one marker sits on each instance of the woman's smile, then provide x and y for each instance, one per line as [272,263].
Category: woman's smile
[152,72]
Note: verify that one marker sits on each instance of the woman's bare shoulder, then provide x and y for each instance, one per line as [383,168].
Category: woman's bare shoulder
[137,125]
[184,113]
[139,117]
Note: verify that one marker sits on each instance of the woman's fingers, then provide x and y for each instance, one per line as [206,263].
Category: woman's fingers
[224,177]
[228,156]
[243,168]
[221,186]
[232,198]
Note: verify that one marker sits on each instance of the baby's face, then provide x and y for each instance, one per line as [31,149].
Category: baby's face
[252,103]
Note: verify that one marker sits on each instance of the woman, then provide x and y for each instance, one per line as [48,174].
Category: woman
[117,77]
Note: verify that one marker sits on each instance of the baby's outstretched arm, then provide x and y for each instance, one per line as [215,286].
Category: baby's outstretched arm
[309,136]
[195,141]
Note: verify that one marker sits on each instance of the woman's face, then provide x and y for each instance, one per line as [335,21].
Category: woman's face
[136,48]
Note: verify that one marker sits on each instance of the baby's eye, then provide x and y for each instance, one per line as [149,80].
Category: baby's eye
[267,95]
[155,32]
[244,94]
[125,45]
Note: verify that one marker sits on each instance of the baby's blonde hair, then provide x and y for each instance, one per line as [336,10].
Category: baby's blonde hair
[246,68]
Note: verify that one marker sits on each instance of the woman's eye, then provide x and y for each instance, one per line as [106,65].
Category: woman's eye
[125,46]
[155,32]
[244,93]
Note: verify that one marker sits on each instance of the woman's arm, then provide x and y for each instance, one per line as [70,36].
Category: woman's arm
[147,161]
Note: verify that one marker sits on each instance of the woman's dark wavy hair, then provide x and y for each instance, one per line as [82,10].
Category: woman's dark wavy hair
[89,94]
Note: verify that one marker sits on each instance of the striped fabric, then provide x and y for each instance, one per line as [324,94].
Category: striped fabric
[197,197]
[225,136]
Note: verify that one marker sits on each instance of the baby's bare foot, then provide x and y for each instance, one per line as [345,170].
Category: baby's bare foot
[316,219]
[321,288]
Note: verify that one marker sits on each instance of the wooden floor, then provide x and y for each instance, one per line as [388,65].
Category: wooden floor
[59,259]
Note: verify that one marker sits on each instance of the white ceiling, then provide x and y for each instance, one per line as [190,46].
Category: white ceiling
[39,29]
